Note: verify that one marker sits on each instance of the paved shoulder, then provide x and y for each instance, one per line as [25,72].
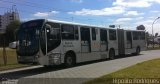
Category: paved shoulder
[94,70]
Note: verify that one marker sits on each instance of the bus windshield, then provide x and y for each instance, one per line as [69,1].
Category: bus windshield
[28,38]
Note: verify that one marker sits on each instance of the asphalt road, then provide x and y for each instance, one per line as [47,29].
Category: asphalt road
[78,74]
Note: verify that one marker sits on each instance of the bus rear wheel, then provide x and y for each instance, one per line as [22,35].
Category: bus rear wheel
[138,51]
[111,54]
[69,60]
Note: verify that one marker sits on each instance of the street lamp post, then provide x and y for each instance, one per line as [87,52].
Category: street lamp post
[152,31]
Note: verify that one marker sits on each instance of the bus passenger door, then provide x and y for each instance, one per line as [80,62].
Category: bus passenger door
[103,43]
[85,40]
[103,40]
[95,45]
[121,42]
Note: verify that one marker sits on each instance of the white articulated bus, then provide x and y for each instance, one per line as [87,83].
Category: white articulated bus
[51,42]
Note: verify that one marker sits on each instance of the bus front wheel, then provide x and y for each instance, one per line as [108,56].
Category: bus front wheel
[69,60]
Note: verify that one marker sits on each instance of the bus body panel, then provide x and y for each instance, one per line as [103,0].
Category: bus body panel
[49,58]
[132,44]
[114,45]
[72,45]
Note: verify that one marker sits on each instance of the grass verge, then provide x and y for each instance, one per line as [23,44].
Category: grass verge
[147,69]
[155,48]
[11,60]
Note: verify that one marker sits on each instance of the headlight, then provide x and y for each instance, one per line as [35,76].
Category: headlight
[37,56]
[18,56]
[55,58]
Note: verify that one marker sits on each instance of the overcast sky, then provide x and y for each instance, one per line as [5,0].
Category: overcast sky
[126,13]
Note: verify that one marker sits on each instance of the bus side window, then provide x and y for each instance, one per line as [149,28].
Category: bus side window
[129,37]
[135,35]
[85,35]
[93,34]
[68,32]
[139,35]
[112,34]
[142,35]
[76,35]
[54,31]
[103,35]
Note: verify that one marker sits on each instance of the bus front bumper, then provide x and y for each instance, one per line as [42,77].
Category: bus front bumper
[27,59]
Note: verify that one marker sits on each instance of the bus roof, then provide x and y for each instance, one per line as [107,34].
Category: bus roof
[74,23]
[80,24]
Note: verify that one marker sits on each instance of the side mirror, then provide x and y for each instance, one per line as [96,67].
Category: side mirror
[13,45]
[48,28]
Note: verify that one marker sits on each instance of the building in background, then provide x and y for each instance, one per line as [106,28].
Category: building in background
[7,18]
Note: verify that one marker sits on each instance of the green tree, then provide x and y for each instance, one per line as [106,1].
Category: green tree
[10,31]
[141,27]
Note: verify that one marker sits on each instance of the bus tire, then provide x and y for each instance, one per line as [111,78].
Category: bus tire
[69,60]
[138,50]
[111,54]
[47,66]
